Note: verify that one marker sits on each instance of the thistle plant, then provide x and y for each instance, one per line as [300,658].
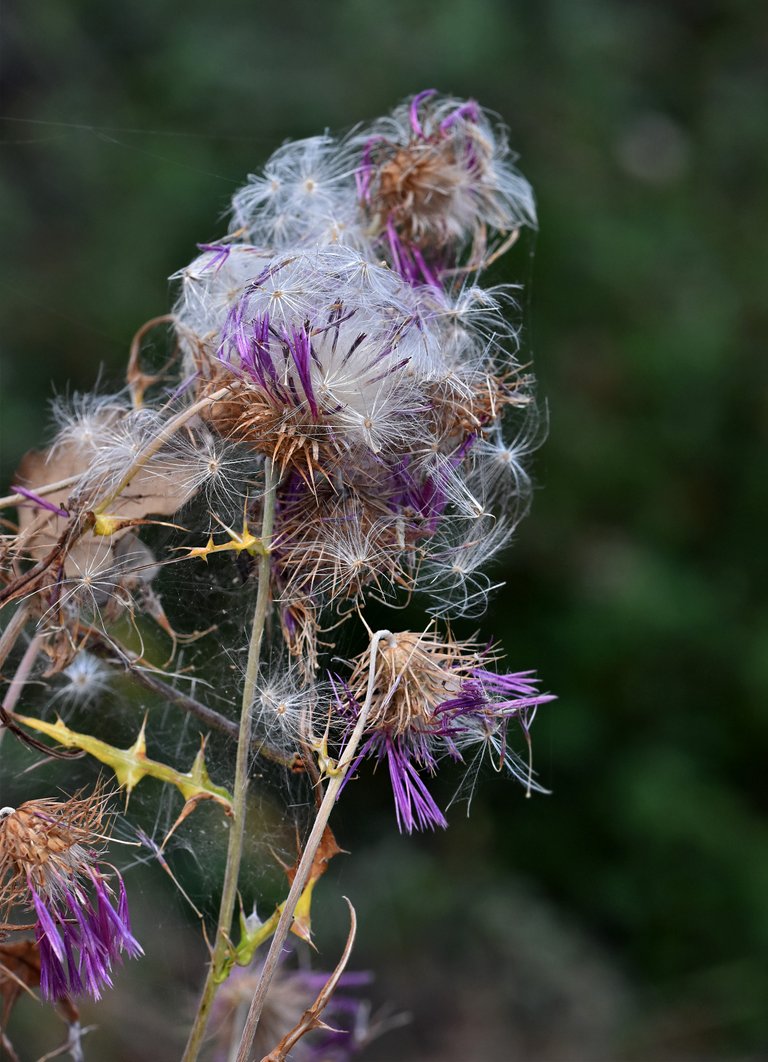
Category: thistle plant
[343,422]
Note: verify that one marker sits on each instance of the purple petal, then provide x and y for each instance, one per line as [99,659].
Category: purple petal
[220,254]
[301,352]
[114,928]
[53,979]
[516,691]
[416,102]
[47,926]
[40,502]
[414,806]
[468,110]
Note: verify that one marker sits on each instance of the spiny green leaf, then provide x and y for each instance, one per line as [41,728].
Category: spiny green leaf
[132,764]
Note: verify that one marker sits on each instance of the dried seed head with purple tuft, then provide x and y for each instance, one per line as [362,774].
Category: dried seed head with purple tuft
[435,697]
[49,864]
[436,176]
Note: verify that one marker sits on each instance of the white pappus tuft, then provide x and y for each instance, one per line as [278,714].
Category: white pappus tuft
[306,195]
[283,706]
[452,573]
[86,679]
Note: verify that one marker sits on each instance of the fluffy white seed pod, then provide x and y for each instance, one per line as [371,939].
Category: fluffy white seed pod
[452,573]
[481,319]
[199,462]
[209,286]
[82,420]
[284,704]
[305,196]
[497,473]
[84,681]
[334,341]
[339,559]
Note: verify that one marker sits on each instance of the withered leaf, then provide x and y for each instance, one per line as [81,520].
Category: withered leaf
[148,494]
[19,972]
[326,850]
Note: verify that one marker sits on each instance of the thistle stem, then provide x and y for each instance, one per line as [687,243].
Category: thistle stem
[240,789]
[10,635]
[19,680]
[308,857]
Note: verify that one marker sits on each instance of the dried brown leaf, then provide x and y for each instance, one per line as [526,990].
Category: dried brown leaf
[19,972]
[326,850]
[147,494]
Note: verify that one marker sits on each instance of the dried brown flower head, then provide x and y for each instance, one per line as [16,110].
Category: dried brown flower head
[414,674]
[46,843]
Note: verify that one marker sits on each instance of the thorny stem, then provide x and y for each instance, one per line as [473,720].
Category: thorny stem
[311,1019]
[240,789]
[159,440]
[306,862]
[212,719]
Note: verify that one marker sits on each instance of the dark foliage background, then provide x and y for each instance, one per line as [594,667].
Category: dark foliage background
[626,915]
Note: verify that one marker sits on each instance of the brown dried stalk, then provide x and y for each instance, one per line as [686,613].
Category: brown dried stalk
[312,1016]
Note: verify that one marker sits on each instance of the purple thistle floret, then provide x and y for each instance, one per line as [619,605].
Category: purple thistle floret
[49,862]
[500,696]
[256,357]
[416,102]
[434,180]
[220,252]
[475,710]
[81,937]
[415,807]
[409,262]
[40,502]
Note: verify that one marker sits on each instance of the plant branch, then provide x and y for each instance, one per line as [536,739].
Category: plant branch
[335,783]
[19,680]
[311,1019]
[212,719]
[10,635]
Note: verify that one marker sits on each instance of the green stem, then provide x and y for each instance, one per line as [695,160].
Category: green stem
[307,859]
[237,827]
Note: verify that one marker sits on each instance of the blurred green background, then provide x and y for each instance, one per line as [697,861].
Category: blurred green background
[626,915]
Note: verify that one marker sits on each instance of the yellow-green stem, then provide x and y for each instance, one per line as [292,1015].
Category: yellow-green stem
[240,791]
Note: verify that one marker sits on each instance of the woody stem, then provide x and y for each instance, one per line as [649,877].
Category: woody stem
[307,858]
